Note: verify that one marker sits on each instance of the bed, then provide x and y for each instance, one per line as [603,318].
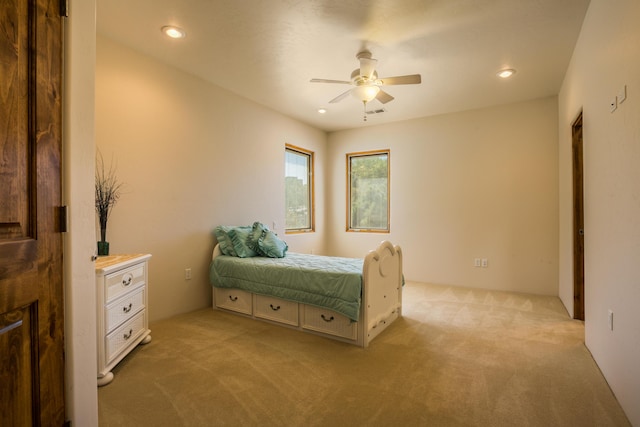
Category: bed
[346,299]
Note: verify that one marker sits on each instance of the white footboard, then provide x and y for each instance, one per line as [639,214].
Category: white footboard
[382,289]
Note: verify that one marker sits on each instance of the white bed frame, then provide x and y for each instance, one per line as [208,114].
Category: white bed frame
[381,302]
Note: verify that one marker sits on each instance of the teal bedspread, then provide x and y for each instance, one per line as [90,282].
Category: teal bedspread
[328,282]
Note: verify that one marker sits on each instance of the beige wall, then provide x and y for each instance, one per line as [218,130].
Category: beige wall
[476,184]
[192,156]
[606,57]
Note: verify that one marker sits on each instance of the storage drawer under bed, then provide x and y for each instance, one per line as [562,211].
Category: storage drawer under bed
[328,322]
[276,309]
[233,299]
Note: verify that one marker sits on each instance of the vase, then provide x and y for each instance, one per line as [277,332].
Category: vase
[103,248]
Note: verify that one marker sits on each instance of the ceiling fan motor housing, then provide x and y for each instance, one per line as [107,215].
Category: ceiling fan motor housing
[359,80]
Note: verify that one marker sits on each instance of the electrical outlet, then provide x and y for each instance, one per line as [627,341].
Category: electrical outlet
[485,263]
[187,274]
[476,262]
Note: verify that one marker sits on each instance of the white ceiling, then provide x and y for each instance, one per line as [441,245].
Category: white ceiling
[268,50]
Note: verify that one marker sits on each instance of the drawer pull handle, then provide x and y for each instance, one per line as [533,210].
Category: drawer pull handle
[325,319]
[127,281]
[274,308]
[127,309]
[232,298]
[127,336]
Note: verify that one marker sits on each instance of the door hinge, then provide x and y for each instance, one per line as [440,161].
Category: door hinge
[64,218]
[64,8]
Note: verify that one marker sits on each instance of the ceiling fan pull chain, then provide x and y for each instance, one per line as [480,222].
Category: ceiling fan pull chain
[364,110]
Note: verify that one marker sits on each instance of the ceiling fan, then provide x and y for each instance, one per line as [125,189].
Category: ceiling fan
[367,83]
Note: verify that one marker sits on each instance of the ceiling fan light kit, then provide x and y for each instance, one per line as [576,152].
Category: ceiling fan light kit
[367,84]
[365,93]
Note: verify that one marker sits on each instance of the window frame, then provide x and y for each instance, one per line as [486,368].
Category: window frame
[311,188]
[361,154]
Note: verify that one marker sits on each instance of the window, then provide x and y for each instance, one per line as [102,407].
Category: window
[298,184]
[368,191]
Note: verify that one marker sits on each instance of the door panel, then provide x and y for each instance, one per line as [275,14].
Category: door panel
[578,221]
[14,155]
[31,293]
[18,363]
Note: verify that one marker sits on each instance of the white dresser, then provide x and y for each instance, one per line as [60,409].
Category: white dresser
[122,288]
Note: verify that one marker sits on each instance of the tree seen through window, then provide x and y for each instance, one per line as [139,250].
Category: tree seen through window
[368,190]
[298,189]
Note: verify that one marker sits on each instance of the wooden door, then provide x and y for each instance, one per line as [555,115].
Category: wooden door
[31,294]
[578,221]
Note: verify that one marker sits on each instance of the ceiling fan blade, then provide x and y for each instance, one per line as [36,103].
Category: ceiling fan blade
[400,80]
[367,67]
[384,97]
[340,97]
[329,81]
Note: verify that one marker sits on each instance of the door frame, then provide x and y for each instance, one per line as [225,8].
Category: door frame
[578,217]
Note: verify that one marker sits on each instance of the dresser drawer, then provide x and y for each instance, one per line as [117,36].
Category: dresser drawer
[124,280]
[276,309]
[233,299]
[122,337]
[328,322]
[124,308]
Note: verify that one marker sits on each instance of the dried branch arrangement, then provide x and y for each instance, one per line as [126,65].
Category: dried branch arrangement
[108,190]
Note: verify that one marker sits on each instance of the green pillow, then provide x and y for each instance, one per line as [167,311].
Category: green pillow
[240,238]
[222,235]
[256,232]
[265,242]
[270,245]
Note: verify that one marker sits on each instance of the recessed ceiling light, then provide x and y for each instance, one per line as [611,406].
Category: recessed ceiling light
[322,110]
[506,73]
[173,32]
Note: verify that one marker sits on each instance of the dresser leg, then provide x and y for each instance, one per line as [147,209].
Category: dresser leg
[108,377]
[146,340]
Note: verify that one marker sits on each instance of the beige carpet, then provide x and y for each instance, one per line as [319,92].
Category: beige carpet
[458,357]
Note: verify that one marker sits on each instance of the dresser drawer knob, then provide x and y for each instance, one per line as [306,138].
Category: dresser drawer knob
[127,336]
[127,309]
[274,308]
[232,298]
[127,280]
[325,319]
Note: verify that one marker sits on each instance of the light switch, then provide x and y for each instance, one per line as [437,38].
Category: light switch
[622,94]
